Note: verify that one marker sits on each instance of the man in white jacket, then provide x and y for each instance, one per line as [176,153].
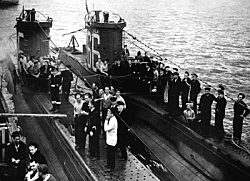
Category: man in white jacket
[110,127]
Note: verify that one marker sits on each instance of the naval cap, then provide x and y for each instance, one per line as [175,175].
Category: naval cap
[120,103]
[176,69]
[208,88]
[221,91]
[241,94]
[176,73]
[194,74]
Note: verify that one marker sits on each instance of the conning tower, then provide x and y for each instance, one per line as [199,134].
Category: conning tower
[33,35]
[104,37]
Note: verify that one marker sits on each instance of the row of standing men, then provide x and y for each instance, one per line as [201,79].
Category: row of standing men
[44,75]
[103,113]
[143,75]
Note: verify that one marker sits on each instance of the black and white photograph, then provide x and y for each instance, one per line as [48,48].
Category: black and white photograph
[124,90]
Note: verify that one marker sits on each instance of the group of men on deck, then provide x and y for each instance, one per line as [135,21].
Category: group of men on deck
[26,163]
[43,74]
[102,112]
[144,75]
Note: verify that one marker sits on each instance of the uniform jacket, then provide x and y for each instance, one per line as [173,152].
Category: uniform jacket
[94,120]
[220,106]
[239,108]
[67,77]
[195,87]
[38,158]
[55,80]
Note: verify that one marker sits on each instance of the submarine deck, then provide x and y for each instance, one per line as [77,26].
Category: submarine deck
[78,61]
[230,150]
[33,132]
[72,161]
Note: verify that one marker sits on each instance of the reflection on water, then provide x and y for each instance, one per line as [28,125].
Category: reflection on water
[209,37]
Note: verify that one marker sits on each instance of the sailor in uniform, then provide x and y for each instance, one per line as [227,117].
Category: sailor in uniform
[77,117]
[174,92]
[55,83]
[67,77]
[122,129]
[205,110]
[220,114]
[110,127]
[185,89]
[125,52]
[84,120]
[16,157]
[94,126]
[195,90]
[240,112]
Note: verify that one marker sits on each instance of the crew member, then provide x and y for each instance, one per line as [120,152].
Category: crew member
[35,154]
[174,92]
[125,52]
[120,98]
[185,88]
[195,90]
[16,157]
[67,77]
[220,114]
[110,127]
[35,73]
[122,129]
[95,88]
[105,104]
[84,119]
[45,71]
[32,174]
[94,126]
[55,83]
[240,112]
[44,173]
[189,114]
[78,123]
[205,109]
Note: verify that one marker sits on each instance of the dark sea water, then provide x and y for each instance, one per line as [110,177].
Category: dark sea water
[209,37]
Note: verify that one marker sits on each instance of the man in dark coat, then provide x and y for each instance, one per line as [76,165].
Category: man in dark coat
[67,77]
[205,109]
[185,88]
[220,114]
[117,68]
[174,92]
[94,126]
[125,52]
[123,121]
[35,154]
[84,120]
[16,157]
[55,83]
[195,90]
[146,77]
[45,72]
[240,112]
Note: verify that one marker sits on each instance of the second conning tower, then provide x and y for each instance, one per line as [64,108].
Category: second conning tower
[104,37]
